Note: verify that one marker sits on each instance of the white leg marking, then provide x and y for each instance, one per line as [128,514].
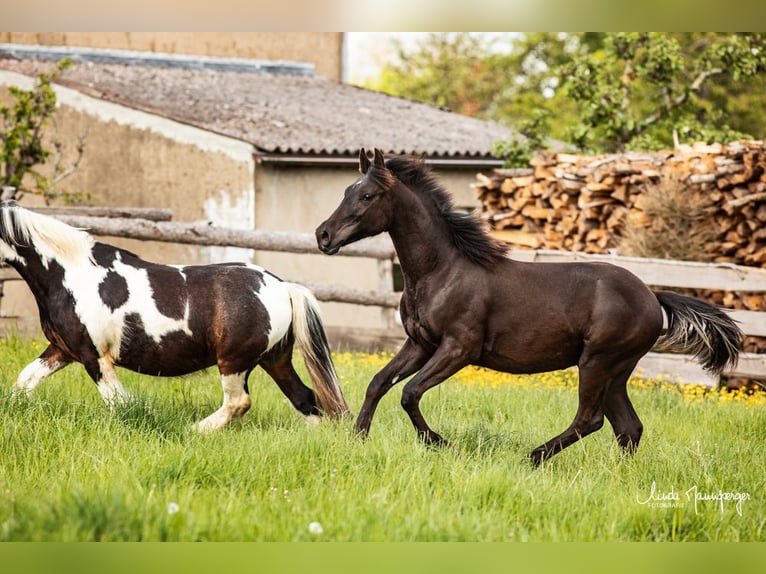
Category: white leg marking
[34,374]
[109,385]
[312,420]
[236,403]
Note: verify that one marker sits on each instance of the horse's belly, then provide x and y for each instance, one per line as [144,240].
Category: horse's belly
[175,354]
[521,366]
[535,355]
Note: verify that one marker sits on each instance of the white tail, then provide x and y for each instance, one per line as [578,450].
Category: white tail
[309,333]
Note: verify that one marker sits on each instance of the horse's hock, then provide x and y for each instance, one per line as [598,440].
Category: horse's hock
[588,203]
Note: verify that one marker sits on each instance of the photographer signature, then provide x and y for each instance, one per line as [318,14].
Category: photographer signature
[673,499]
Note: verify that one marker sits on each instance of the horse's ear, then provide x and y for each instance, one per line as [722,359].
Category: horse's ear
[378,158]
[364,161]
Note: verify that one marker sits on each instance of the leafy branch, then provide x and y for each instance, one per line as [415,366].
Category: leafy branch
[22,134]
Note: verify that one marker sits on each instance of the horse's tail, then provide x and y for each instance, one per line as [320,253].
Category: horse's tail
[311,338]
[700,328]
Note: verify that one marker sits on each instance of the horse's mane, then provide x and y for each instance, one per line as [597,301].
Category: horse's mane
[51,238]
[467,232]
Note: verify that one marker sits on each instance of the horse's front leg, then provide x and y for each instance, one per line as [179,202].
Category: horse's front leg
[101,370]
[407,360]
[449,358]
[52,359]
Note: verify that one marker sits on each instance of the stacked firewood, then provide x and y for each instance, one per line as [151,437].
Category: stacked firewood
[585,203]
[582,203]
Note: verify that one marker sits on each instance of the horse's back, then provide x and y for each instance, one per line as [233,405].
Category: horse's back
[192,317]
[239,297]
[543,315]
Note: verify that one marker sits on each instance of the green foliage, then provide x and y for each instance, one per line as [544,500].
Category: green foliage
[517,151]
[643,89]
[600,92]
[22,137]
[455,71]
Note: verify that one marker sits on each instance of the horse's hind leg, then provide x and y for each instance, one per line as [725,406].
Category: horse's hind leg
[279,366]
[621,415]
[52,359]
[597,374]
[236,402]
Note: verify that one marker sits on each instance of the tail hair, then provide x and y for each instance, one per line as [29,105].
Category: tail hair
[310,336]
[702,329]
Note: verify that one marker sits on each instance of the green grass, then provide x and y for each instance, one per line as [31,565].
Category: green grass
[74,470]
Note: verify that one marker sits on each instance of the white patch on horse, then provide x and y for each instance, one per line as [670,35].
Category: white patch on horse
[312,420]
[141,301]
[106,326]
[236,403]
[82,279]
[109,385]
[34,373]
[276,299]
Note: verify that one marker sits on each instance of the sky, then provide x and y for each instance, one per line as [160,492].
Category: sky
[367,52]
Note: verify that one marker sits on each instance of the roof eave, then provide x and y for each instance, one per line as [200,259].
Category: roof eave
[342,160]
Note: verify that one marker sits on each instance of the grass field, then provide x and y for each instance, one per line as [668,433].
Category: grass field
[74,470]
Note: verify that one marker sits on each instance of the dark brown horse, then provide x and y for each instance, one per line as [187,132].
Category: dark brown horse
[466,303]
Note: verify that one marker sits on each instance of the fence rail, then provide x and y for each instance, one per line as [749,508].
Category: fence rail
[655,272]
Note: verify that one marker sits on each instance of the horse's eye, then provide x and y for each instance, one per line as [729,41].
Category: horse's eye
[367,197]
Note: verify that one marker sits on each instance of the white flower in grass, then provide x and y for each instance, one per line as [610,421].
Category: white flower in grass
[315,528]
[173,507]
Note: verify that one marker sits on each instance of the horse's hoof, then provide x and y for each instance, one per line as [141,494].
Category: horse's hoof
[435,440]
[361,434]
[312,420]
[536,457]
[205,427]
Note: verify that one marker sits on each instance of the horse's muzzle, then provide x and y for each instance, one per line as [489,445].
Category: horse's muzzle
[324,241]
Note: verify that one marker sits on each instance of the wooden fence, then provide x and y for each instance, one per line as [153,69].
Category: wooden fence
[658,273]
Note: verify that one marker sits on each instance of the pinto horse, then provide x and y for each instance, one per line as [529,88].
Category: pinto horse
[466,303]
[103,306]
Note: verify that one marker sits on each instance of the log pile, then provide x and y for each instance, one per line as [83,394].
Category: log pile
[581,203]
[584,203]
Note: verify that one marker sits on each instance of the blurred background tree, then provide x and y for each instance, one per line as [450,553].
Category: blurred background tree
[599,92]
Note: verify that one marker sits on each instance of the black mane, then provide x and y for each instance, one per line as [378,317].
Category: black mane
[467,232]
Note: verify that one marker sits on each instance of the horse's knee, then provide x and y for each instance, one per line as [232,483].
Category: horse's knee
[591,425]
[410,398]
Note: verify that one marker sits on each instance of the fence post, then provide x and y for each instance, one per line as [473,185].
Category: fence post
[386,285]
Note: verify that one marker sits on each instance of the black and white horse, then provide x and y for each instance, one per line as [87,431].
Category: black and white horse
[103,306]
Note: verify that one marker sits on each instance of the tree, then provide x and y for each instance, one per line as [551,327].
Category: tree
[647,90]
[597,91]
[22,140]
[456,71]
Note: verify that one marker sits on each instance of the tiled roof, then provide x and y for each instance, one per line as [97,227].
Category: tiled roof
[281,113]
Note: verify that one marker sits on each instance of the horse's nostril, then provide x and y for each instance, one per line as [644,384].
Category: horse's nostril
[324,237]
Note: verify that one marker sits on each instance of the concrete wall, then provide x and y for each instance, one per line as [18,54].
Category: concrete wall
[299,199]
[141,160]
[323,49]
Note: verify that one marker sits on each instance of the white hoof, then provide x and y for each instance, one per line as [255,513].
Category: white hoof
[312,420]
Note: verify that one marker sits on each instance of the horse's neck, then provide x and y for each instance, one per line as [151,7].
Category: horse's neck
[420,237]
[34,273]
